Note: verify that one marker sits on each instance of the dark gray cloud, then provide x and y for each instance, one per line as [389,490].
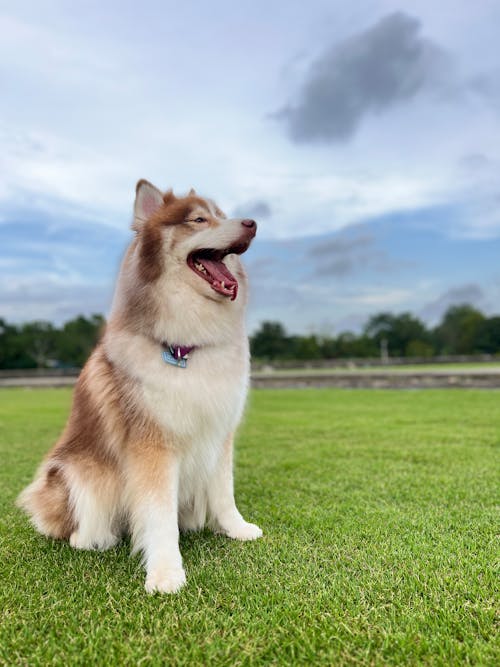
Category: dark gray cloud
[476,162]
[257,208]
[485,84]
[342,245]
[471,294]
[343,256]
[383,66]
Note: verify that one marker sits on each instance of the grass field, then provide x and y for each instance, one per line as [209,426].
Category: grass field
[378,509]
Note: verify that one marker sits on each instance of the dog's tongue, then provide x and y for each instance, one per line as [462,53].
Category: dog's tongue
[223,280]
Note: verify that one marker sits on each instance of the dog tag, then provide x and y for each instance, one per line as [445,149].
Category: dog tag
[169,358]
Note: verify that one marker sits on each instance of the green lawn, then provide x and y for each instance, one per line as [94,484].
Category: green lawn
[378,509]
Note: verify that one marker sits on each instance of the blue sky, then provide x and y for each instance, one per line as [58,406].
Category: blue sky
[365,139]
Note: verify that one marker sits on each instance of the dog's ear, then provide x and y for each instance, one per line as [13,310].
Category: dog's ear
[148,200]
[192,193]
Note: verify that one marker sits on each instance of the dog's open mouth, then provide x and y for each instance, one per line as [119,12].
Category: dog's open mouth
[208,264]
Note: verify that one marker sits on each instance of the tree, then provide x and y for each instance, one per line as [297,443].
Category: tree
[270,341]
[348,345]
[459,330]
[419,348]
[12,352]
[488,335]
[77,339]
[401,332]
[305,347]
[39,341]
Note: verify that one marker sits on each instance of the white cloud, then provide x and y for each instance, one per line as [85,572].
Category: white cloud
[98,95]
[100,110]
[51,296]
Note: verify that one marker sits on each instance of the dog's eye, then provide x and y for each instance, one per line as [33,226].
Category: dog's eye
[200,220]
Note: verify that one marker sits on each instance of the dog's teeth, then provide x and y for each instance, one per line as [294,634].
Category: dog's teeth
[222,285]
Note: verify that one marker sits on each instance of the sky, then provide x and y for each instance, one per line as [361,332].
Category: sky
[364,138]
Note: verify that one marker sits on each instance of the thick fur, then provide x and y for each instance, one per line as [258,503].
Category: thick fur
[148,446]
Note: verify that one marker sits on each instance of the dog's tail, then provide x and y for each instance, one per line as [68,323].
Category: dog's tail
[47,503]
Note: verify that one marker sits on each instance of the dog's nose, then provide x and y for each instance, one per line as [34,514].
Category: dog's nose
[249,223]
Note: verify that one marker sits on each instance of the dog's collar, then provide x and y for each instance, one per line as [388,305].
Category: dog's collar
[176,355]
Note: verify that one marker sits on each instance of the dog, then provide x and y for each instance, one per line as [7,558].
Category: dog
[148,446]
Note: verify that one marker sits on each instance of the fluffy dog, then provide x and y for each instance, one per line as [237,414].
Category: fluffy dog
[148,445]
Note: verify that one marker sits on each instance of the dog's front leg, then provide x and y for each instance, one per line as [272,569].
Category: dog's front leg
[152,493]
[221,501]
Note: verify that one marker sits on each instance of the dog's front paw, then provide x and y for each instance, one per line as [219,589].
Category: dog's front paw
[243,531]
[163,580]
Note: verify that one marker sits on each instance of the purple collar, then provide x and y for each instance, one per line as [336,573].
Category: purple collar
[176,355]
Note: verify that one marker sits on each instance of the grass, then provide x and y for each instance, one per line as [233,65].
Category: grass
[378,512]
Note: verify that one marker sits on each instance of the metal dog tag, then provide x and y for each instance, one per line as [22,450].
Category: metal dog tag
[169,358]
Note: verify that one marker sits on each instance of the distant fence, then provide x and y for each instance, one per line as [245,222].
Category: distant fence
[365,362]
[38,377]
[279,364]
[379,380]
[38,372]
[356,373]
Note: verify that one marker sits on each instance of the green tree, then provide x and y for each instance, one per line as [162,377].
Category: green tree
[459,330]
[419,348]
[270,342]
[39,340]
[398,330]
[77,338]
[13,352]
[348,345]
[305,347]
[488,335]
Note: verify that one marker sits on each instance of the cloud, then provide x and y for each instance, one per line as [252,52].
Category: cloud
[486,84]
[340,257]
[370,72]
[55,270]
[342,245]
[43,297]
[253,209]
[476,162]
[377,297]
[471,294]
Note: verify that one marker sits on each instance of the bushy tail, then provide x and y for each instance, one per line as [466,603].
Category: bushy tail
[46,501]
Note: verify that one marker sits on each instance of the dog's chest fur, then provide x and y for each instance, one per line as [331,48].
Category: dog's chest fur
[200,405]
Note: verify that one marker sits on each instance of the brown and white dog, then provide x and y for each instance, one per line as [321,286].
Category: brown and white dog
[148,444]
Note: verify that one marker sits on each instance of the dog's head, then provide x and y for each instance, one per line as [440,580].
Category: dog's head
[185,254]
[190,231]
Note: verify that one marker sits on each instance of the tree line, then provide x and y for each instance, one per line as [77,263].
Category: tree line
[463,330]
[40,344]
